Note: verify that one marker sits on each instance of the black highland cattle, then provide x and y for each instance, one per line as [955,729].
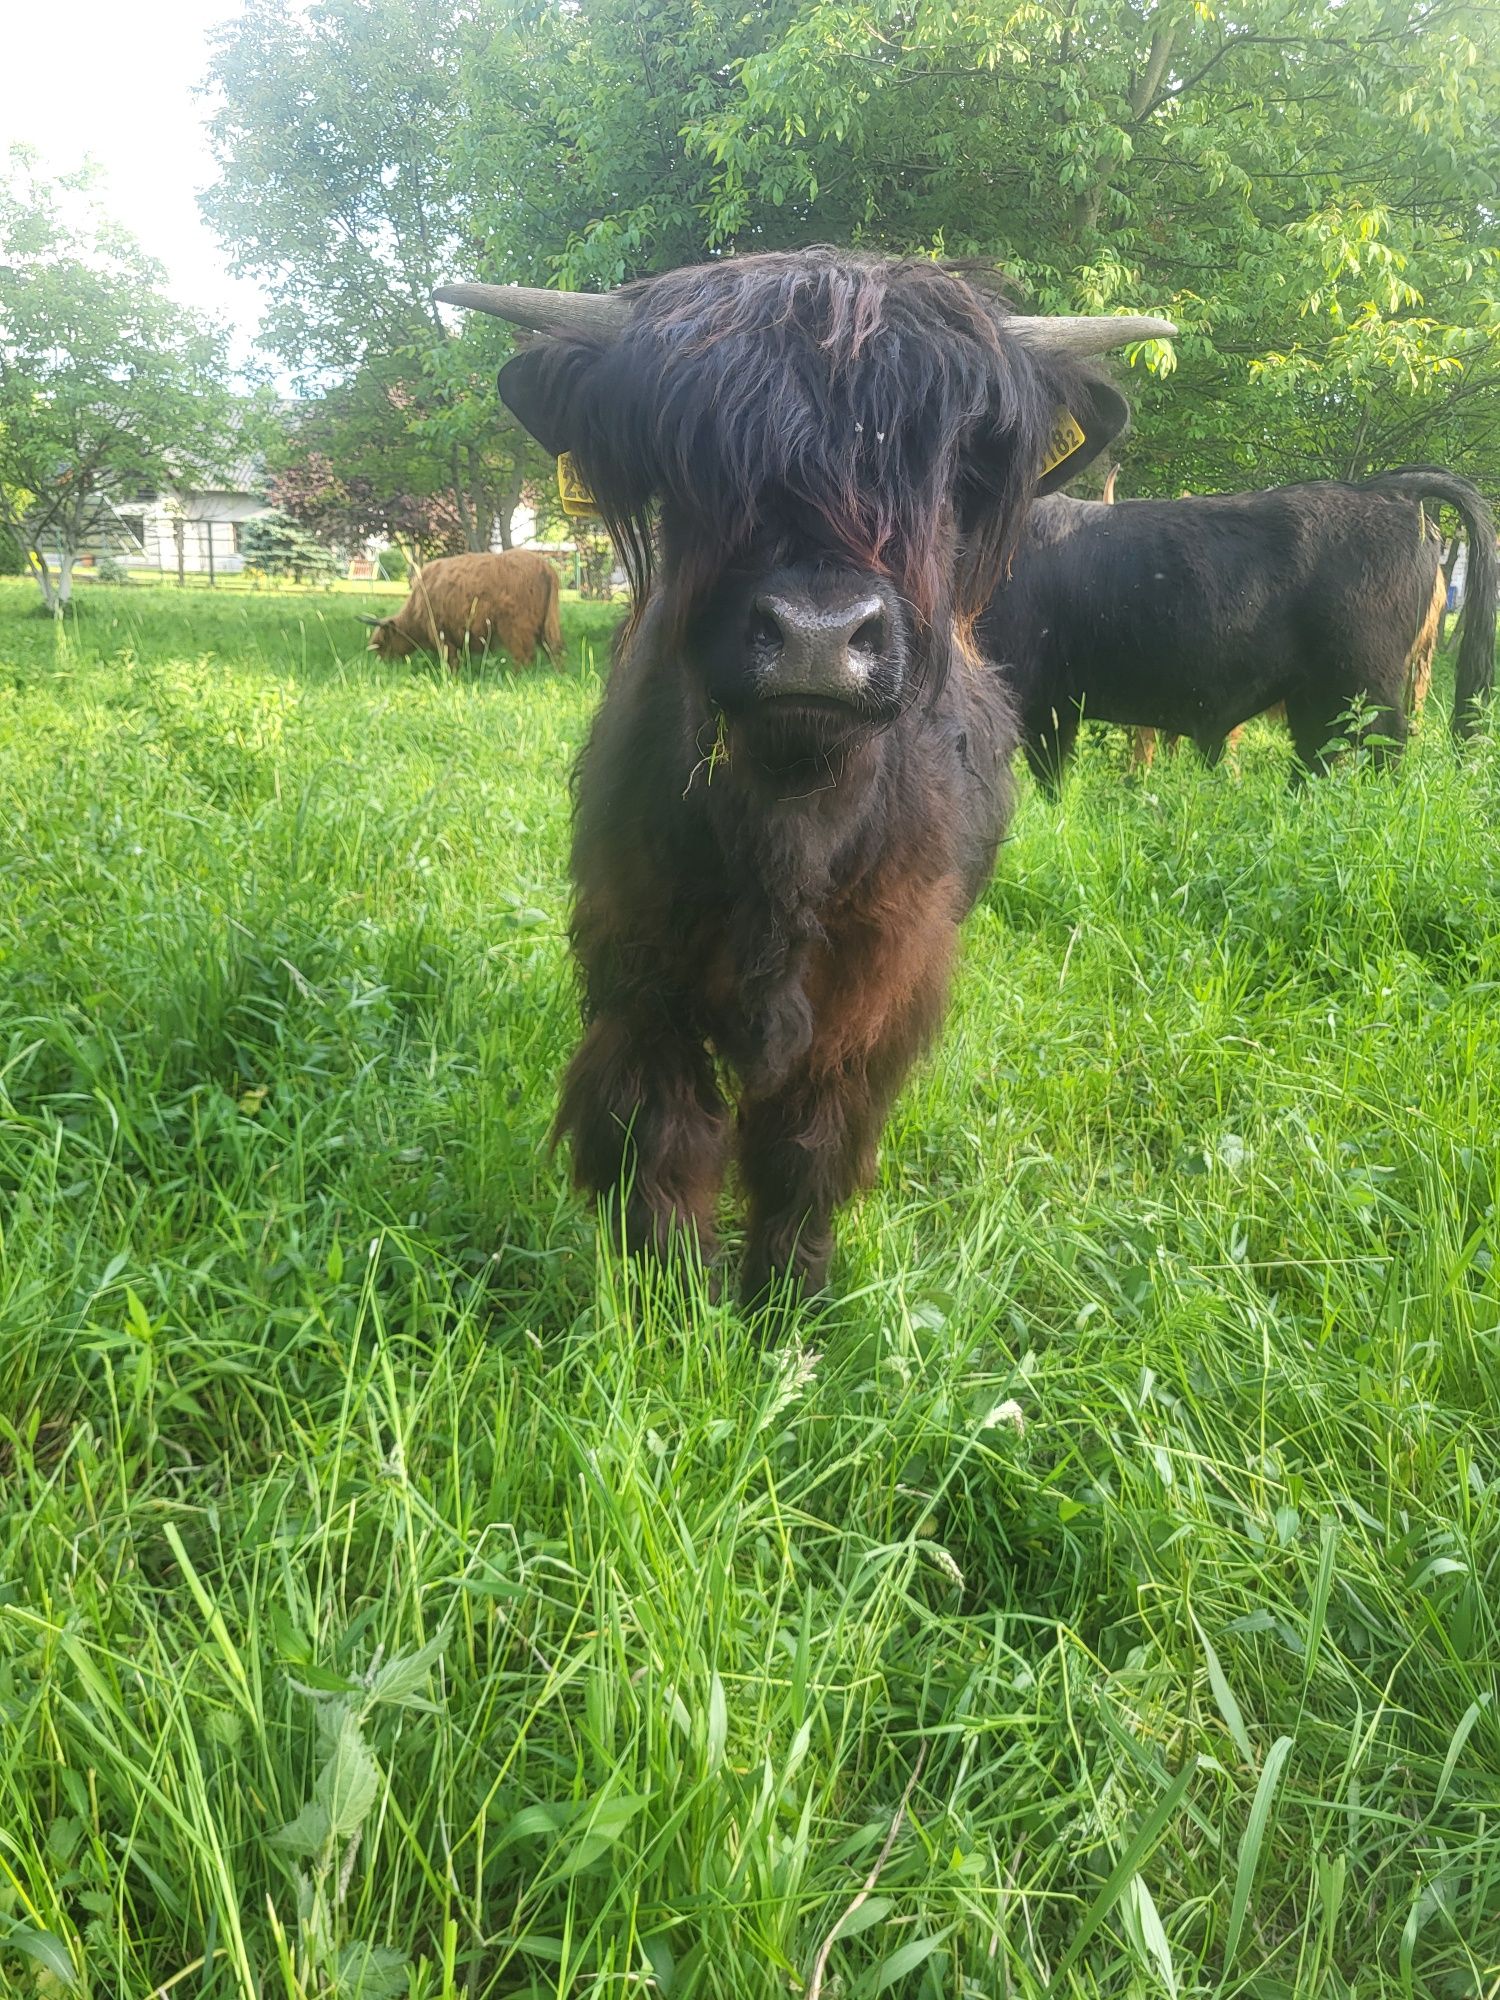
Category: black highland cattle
[815,466]
[1190,616]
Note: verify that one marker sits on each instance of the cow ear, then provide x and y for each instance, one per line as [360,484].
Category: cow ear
[542,388]
[1095,416]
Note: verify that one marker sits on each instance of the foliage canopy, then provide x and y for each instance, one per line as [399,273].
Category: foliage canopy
[1307,190]
[105,384]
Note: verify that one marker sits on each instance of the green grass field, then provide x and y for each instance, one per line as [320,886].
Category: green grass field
[399,1598]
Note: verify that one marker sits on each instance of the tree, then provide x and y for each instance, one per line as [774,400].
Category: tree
[356,464]
[1308,190]
[345,513]
[276,545]
[337,192]
[105,384]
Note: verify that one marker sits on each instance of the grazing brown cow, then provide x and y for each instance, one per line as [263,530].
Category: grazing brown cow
[474,603]
[795,785]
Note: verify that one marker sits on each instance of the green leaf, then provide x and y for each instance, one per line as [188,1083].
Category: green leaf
[308,1833]
[1317,1609]
[46,1950]
[895,1968]
[539,1821]
[1149,1934]
[1129,1863]
[1461,1736]
[369,1972]
[718,1723]
[603,1828]
[402,1678]
[136,1316]
[1223,1695]
[663,1965]
[349,1783]
[1250,1846]
[873,1910]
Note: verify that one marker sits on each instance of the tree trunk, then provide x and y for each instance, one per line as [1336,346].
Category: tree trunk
[1143,94]
[65,561]
[1356,462]
[1089,201]
[461,501]
[43,576]
[510,500]
[482,505]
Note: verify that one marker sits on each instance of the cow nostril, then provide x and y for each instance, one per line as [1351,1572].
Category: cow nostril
[765,632]
[870,636]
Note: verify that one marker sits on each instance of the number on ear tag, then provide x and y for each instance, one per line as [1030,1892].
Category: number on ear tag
[1067,436]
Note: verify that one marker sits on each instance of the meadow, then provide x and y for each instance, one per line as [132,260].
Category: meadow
[400,1597]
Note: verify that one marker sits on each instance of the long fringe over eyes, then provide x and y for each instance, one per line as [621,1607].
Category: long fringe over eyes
[852,398]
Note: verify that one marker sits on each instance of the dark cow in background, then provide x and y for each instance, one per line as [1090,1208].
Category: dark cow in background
[794,788]
[1191,616]
[473,603]
[1417,685]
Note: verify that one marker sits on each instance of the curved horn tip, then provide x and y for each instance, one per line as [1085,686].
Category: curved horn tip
[1088,333]
[365,618]
[541,311]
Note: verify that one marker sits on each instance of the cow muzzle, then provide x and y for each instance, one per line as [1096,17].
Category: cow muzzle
[825,640]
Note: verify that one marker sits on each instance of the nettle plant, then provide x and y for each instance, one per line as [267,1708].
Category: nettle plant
[323,1842]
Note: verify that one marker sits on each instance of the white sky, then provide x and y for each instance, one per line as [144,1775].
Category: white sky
[96,79]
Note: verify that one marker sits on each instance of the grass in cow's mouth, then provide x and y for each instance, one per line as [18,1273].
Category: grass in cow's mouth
[397,1597]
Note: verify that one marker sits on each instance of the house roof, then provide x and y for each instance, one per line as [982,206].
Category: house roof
[244,474]
[241,471]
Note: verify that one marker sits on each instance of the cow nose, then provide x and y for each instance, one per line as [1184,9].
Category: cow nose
[826,651]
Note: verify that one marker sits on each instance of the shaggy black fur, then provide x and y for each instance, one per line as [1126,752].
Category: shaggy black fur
[1192,615]
[768,891]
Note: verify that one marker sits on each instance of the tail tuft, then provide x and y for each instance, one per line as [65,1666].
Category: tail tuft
[1474,675]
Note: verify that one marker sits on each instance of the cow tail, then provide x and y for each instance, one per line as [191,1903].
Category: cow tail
[1474,674]
[552,621]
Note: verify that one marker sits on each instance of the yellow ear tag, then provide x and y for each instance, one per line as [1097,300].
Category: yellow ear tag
[575,496]
[1067,436]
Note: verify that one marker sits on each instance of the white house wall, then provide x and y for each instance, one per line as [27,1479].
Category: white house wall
[203,516]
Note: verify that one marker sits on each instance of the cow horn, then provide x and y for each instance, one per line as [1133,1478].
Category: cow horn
[365,618]
[602,314]
[1092,333]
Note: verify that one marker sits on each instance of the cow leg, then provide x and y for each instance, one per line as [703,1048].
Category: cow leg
[1317,721]
[1387,728]
[802,1153]
[1142,749]
[641,1106]
[808,1145]
[1213,749]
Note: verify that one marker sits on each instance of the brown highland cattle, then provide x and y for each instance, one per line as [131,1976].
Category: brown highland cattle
[476,603]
